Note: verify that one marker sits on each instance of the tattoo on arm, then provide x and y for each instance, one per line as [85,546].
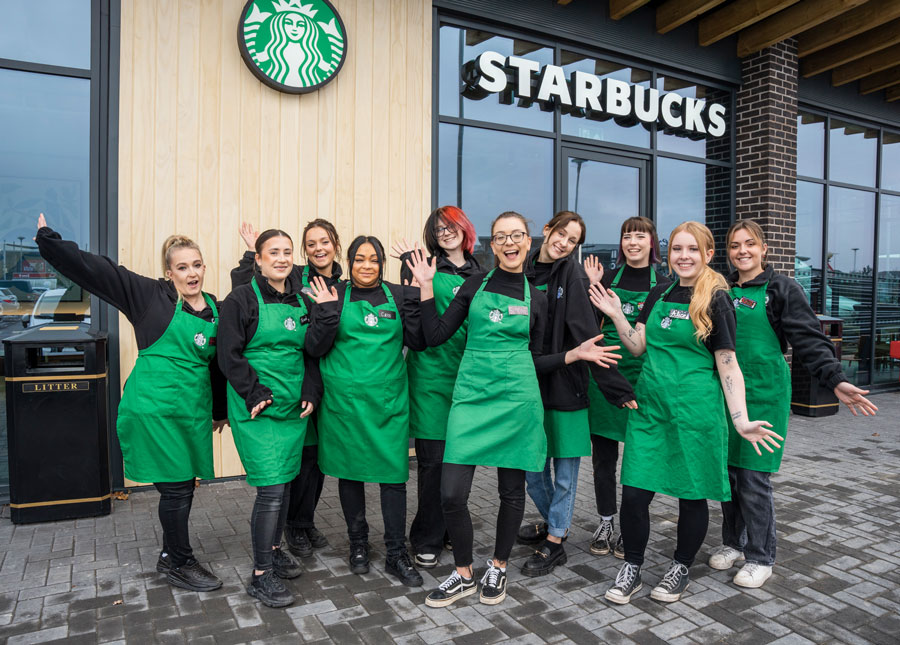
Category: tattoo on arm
[729,385]
[727,358]
[735,416]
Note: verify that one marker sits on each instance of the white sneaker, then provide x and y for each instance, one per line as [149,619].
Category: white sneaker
[752,575]
[724,557]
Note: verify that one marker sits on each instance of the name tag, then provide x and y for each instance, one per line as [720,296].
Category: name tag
[681,314]
[304,319]
[746,302]
[384,313]
[518,310]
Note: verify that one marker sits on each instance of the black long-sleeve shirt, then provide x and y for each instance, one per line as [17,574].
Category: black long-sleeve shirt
[632,279]
[148,304]
[238,324]
[442,265]
[794,322]
[246,269]
[721,312]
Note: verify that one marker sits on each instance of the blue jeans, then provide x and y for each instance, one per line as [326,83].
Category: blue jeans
[748,520]
[555,500]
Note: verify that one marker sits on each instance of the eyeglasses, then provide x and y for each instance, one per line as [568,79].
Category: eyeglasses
[441,231]
[516,237]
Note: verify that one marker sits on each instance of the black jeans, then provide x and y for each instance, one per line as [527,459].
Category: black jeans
[693,520]
[393,512]
[306,489]
[267,522]
[175,499]
[604,455]
[748,520]
[456,484]
[427,531]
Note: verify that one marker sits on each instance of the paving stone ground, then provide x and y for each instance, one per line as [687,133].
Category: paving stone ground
[837,579]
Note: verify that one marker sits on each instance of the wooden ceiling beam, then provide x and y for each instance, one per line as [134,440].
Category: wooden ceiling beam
[892,94]
[879,81]
[866,66]
[618,9]
[674,13]
[784,24]
[852,23]
[738,15]
[852,49]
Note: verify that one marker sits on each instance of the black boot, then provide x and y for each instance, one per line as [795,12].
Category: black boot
[297,542]
[269,590]
[401,567]
[544,560]
[193,576]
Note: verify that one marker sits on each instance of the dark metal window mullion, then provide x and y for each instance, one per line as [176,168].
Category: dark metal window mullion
[823,267]
[872,325]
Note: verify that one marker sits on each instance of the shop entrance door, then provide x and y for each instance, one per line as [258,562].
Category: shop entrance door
[605,189]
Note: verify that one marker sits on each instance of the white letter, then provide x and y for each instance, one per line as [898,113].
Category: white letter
[716,115]
[587,91]
[670,118]
[638,94]
[553,83]
[491,76]
[524,69]
[693,109]
[617,94]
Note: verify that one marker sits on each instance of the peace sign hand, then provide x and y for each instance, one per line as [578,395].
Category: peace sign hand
[319,292]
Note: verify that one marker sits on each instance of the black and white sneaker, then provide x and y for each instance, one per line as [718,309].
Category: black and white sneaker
[493,585]
[426,560]
[451,590]
[164,562]
[628,582]
[269,590]
[619,550]
[401,567]
[602,538]
[673,584]
[284,565]
[359,558]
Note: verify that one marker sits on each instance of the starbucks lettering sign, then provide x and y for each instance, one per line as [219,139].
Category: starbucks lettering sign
[293,46]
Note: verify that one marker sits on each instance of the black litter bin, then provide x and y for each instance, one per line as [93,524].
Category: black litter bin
[57,425]
[809,397]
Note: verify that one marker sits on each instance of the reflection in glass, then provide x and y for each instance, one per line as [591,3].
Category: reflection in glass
[632,133]
[808,241]
[810,145]
[53,32]
[486,172]
[852,153]
[458,47]
[849,263]
[604,194]
[887,323]
[680,196]
[890,161]
[695,144]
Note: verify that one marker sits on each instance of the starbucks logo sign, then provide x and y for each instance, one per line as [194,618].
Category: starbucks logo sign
[291,45]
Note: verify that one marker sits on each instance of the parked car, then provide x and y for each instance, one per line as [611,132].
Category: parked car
[9,299]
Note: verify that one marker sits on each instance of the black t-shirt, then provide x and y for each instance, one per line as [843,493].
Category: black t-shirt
[724,321]
[637,280]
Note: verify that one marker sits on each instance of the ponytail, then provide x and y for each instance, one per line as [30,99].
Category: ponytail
[707,283]
[173,243]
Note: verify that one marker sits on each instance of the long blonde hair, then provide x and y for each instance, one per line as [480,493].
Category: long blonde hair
[173,243]
[707,283]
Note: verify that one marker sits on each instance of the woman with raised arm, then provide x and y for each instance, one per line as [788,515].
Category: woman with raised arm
[632,282]
[174,398]
[772,311]
[359,330]
[676,442]
[449,238]
[273,387]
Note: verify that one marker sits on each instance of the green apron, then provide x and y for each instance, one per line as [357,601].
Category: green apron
[767,378]
[606,419]
[271,445]
[165,417]
[676,442]
[364,425]
[497,417]
[312,436]
[432,373]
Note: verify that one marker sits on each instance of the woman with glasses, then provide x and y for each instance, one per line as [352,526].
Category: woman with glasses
[449,238]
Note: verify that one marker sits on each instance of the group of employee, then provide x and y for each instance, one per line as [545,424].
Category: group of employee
[504,368]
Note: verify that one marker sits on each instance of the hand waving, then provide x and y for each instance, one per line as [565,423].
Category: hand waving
[319,291]
[423,271]
[249,235]
[605,300]
[593,268]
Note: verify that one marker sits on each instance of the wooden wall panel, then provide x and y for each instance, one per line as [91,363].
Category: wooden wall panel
[205,145]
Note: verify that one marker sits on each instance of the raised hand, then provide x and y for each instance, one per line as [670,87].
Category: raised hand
[593,268]
[854,398]
[401,247]
[423,271]
[42,221]
[319,291]
[605,300]
[259,407]
[758,433]
[249,235]
[307,409]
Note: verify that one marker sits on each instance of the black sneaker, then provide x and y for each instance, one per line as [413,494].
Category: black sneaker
[316,538]
[451,590]
[448,544]
[298,542]
[164,563]
[269,590]
[359,558]
[673,584]
[493,585]
[533,533]
[284,566]
[619,550]
[544,559]
[426,560]
[602,538]
[401,567]
[628,582]
[193,576]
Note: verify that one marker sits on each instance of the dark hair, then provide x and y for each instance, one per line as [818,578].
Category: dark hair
[267,235]
[562,219]
[354,247]
[640,225]
[329,230]
[756,232]
[454,218]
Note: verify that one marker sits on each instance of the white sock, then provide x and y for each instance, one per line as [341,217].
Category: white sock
[606,518]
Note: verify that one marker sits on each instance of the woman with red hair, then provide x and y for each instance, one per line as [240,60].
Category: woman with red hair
[449,237]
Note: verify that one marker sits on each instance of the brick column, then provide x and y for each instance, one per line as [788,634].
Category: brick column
[766,148]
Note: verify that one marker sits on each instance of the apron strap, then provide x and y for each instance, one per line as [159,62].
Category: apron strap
[615,282]
[652,277]
[259,299]
[305,279]
[212,305]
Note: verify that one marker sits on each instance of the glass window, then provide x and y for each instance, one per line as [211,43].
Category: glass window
[890,161]
[811,145]
[887,323]
[460,46]
[852,153]
[851,220]
[808,241]
[53,32]
[680,196]
[482,172]
[695,144]
[633,133]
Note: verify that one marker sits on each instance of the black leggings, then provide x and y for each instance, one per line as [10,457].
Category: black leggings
[456,484]
[175,499]
[267,522]
[306,489]
[604,455]
[693,520]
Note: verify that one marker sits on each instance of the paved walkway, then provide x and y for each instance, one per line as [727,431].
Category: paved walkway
[837,578]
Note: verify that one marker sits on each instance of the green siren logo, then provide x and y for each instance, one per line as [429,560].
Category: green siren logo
[291,45]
